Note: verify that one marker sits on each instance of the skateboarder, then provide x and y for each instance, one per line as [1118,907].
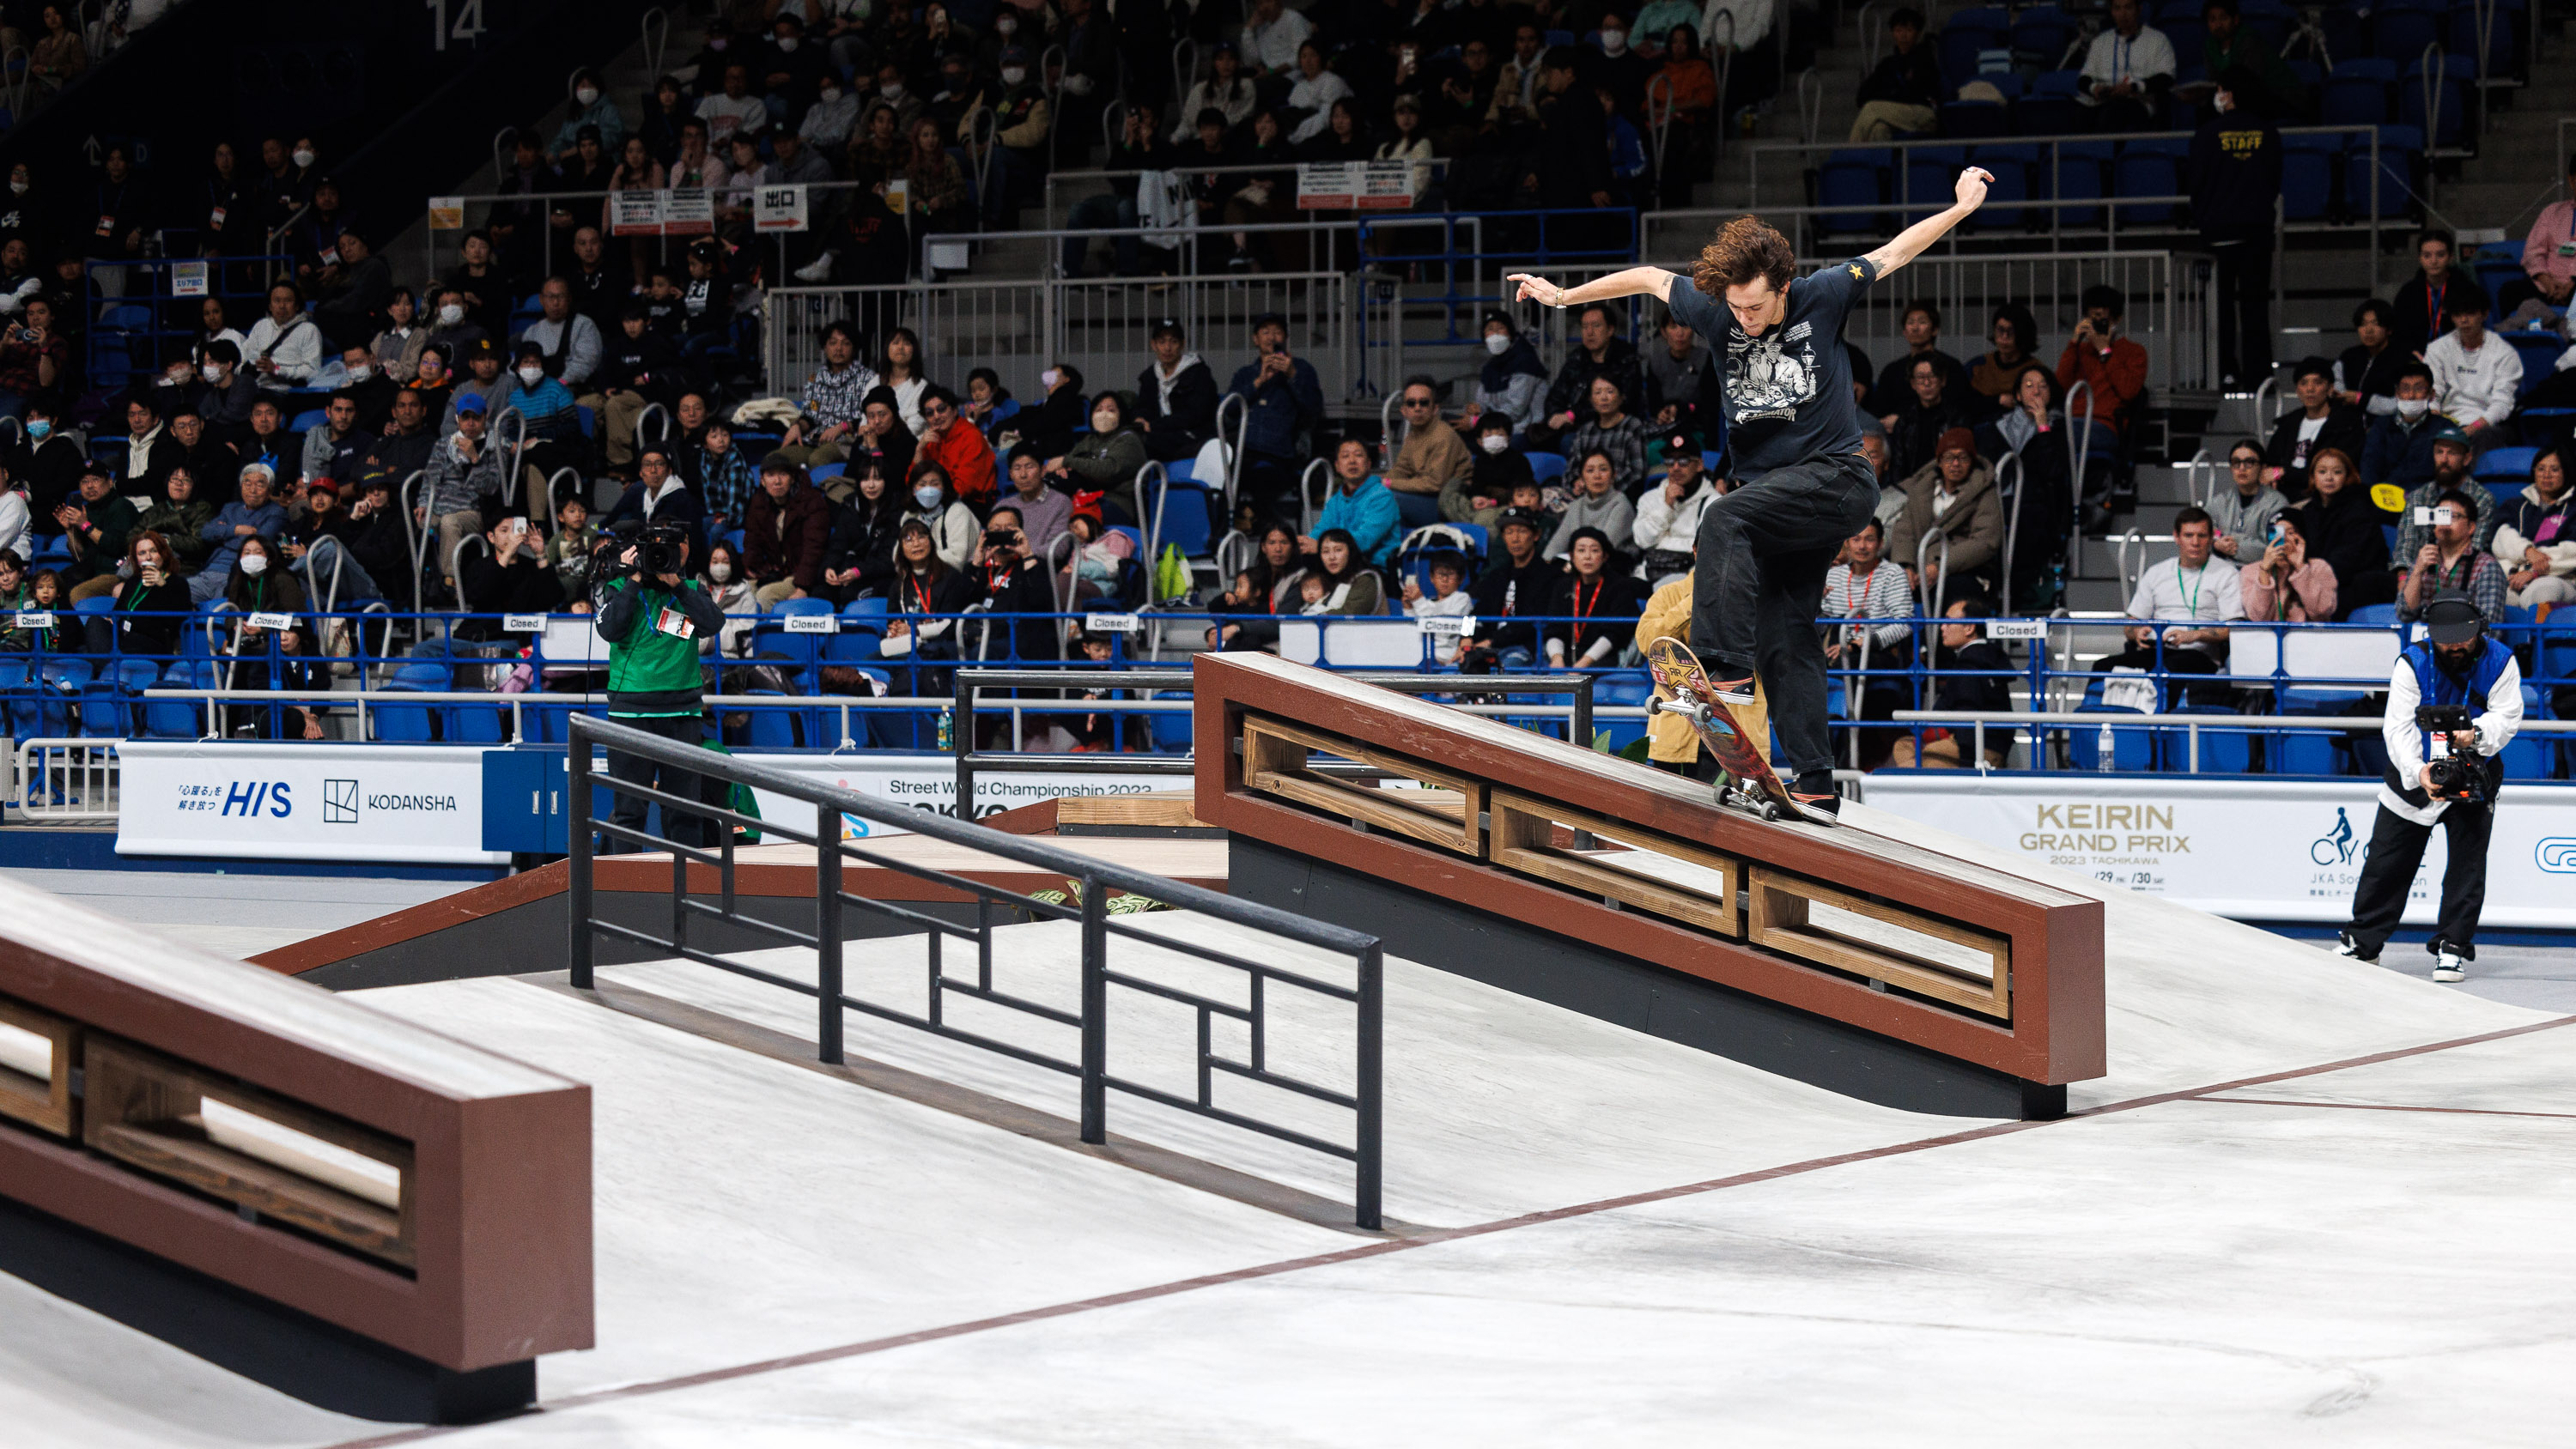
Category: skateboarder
[1795,434]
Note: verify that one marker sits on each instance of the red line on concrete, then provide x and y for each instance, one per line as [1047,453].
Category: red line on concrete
[2384,1107]
[1446,1235]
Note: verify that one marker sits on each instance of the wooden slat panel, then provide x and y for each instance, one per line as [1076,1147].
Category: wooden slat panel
[1780,921]
[143,1110]
[1524,837]
[1170,809]
[1274,761]
[44,1103]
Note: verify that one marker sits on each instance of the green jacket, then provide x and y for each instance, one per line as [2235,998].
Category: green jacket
[183,526]
[651,670]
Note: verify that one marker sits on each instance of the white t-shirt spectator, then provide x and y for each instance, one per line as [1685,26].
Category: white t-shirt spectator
[297,353]
[1274,46]
[14,524]
[2472,384]
[1318,96]
[725,116]
[1883,593]
[2113,59]
[1459,605]
[2210,594]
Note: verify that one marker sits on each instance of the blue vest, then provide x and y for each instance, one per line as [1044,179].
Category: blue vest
[2437,685]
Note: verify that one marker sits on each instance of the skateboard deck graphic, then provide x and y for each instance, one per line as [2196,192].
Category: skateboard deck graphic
[1753,788]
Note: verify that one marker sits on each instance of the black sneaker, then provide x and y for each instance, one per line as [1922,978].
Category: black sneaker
[1815,798]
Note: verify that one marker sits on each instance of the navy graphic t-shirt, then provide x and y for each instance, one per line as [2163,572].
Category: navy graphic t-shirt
[1787,393]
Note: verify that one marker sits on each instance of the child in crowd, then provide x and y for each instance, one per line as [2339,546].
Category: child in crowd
[568,552]
[1314,594]
[1099,731]
[725,476]
[1448,599]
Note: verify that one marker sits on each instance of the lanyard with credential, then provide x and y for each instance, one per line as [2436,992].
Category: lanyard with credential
[2191,601]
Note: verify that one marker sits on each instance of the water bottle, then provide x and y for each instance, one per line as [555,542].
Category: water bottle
[2103,749]
[948,730]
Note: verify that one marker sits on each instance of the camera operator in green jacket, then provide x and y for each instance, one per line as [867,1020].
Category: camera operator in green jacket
[653,615]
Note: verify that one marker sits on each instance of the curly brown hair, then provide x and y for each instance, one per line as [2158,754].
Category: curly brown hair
[1745,249]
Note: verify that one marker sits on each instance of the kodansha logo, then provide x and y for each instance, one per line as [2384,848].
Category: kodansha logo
[2557,855]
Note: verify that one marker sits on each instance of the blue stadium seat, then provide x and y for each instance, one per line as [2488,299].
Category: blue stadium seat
[1929,179]
[1184,518]
[1547,467]
[2307,175]
[2400,31]
[409,723]
[180,719]
[2505,23]
[2400,158]
[1853,178]
[2132,747]
[2447,94]
[1620,690]
[2222,752]
[2505,465]
[2011,165]
[307,421]
[2040,38]
[2357,93]
[822,473]
[2079,168]
[2147,168]
[2540,353]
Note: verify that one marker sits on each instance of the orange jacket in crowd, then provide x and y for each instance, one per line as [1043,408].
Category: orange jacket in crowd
[2113,377]
[965,457]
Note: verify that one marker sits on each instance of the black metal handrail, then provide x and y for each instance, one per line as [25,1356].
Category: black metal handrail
[1095,878]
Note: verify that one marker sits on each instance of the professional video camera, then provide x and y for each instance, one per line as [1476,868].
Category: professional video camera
[660,548]
[2451,773]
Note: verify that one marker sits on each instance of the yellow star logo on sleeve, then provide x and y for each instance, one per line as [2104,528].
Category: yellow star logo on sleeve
[1854,269]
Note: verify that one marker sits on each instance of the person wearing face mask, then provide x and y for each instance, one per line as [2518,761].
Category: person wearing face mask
[1498,469]
[826,127]
[1511,383]
[952,443]
[226,393]
[1105,461]
[43,459]
[235,525]
[1621,68]
[590,107]
[950,523]
[791,69]
[1021,118]
[366,385]
[2399,446]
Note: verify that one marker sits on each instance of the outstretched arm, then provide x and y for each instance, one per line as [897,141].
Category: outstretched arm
[1636,281]
[1910,242]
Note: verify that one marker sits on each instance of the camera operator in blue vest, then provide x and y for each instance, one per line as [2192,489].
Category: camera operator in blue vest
[2454,702]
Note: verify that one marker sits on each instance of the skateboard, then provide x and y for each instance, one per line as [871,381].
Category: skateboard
[1749,785]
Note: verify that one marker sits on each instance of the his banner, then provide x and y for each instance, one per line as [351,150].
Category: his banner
[2257,850]
[302,801]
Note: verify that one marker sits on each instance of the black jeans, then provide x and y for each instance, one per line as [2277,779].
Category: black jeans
[2244,304]
[2396,849]
[1760,580]
[678,827]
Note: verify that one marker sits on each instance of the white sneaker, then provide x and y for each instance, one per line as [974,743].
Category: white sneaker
[2350,950]
[817,270]
[2450,966]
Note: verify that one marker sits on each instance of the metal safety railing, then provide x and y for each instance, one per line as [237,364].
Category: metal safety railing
[1092,880]
[1100,325]
[65,781]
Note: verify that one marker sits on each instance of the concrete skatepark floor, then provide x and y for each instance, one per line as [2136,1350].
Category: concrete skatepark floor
[1619,1240]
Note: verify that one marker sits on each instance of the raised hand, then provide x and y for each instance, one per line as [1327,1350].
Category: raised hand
[1538,289]
[1972,186]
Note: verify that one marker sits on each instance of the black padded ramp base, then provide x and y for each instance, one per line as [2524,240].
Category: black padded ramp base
[268,1343]
[1435,931]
